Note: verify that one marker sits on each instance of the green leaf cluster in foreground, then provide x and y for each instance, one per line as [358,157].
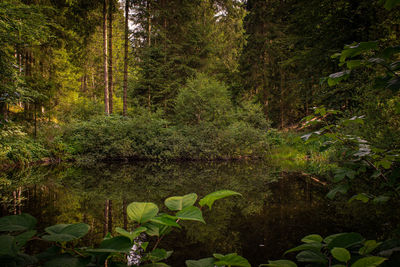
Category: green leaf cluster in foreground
[139,246]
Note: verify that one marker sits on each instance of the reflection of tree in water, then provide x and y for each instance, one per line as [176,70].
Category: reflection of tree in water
[276,209]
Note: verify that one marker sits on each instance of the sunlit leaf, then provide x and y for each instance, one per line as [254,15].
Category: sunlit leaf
[190,213]
[142,212]
[312,238]
[361,197]
[341,254]
[210,198]
[180,202]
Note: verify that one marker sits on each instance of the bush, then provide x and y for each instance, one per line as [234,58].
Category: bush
[205,126]
[17,148]
[203,99]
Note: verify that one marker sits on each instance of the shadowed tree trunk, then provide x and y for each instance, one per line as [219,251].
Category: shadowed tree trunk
[126,57]
[105,59]
[110,57]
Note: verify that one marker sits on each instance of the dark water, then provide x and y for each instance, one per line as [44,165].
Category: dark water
[277,208]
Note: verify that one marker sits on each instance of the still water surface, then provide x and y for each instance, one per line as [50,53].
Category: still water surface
[277,209]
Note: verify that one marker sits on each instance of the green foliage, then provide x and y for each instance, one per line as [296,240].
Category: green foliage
[211,198]
[358,158]
[16,147]
[64,253]
[142,212]
[181,202]
[203,99]
[210,129]
[343,249]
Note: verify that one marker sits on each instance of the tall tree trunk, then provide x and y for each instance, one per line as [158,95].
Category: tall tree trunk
[126,57]
[105,59]
[149,44]
[110,57]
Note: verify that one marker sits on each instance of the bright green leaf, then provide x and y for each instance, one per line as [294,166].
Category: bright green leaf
[210,198]
[341,254]
[312,238]
[180,202]
[191,213]
[142,212]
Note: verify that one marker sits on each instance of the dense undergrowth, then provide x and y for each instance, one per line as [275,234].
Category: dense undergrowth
[205,126]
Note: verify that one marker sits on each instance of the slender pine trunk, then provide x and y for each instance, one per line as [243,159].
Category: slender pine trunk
[126,57]
[110,57]
[105,59]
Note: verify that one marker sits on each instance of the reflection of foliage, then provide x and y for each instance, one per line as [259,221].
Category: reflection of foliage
[276,208]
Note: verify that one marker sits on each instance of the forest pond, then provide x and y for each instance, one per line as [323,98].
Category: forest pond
[277,208]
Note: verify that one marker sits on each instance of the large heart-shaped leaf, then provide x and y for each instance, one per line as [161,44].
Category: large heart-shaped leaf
[232,260]
[180,202]
[142,212]
[66,232]
[210,198]
[191,213]
[20,222]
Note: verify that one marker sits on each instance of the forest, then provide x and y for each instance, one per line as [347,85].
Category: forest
[128,109]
